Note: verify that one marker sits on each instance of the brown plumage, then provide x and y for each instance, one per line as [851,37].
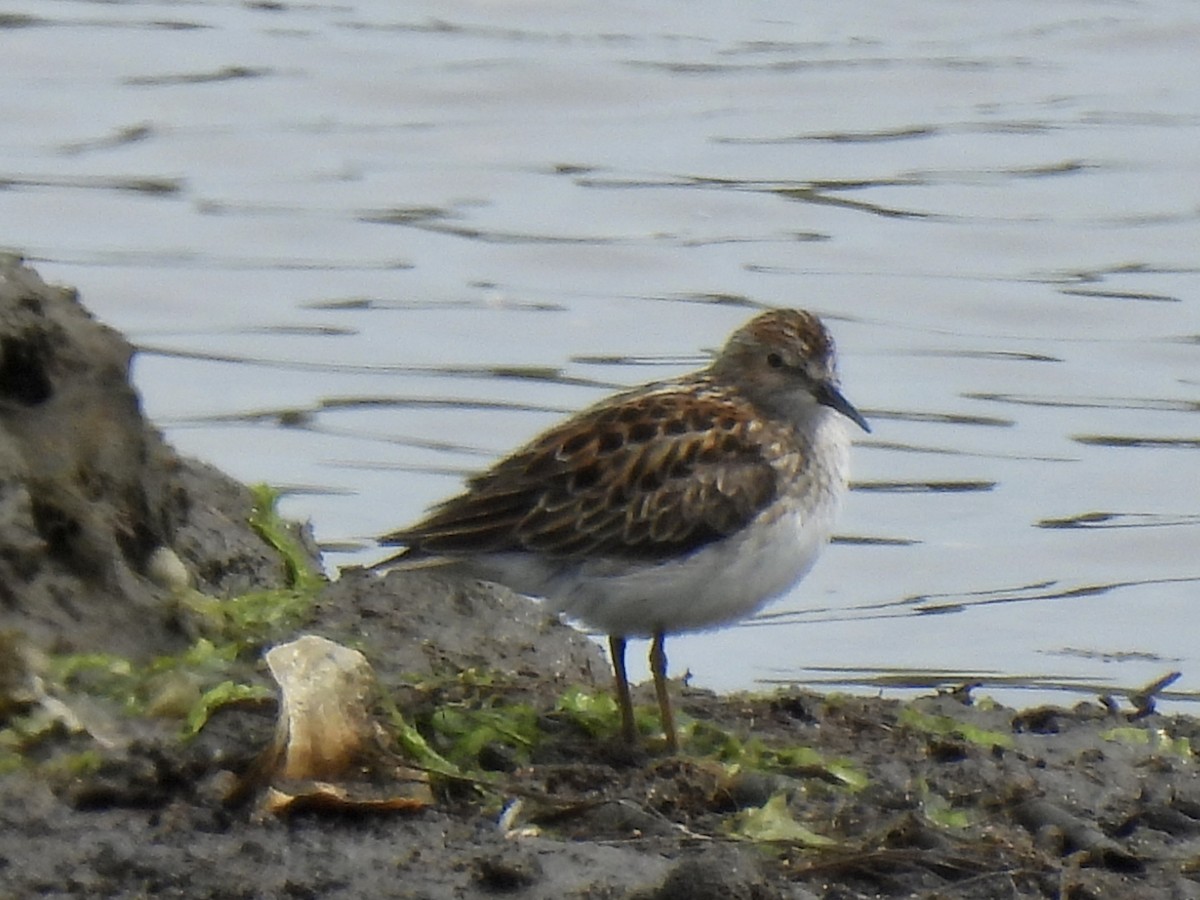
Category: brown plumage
[679,505]
[647,475]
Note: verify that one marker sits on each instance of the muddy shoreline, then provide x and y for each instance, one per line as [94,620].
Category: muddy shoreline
[794,795]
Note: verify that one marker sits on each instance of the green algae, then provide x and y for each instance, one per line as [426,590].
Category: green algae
[947,726]
[215,669]
[773,823]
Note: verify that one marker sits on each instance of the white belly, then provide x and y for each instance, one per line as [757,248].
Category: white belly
[719,583]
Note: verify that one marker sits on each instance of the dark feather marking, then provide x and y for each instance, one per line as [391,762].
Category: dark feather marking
[681,469]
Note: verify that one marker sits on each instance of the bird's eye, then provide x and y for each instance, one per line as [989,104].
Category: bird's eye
[774,360]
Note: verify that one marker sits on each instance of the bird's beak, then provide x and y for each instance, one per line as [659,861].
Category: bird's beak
[827,394]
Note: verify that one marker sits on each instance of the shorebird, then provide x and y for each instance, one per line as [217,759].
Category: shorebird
[677,506]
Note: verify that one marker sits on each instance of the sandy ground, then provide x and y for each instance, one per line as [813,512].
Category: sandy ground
[793,795]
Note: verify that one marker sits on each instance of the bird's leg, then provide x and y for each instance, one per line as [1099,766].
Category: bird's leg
[658,667]
[616,646]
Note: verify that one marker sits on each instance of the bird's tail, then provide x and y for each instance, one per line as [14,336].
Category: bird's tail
[409,561]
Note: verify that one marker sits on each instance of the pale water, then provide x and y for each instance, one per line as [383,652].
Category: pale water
[368,246]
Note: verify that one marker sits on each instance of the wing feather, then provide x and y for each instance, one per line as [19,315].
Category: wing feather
[659,473]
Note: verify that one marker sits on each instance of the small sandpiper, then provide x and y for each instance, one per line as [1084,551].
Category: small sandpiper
[677,506]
